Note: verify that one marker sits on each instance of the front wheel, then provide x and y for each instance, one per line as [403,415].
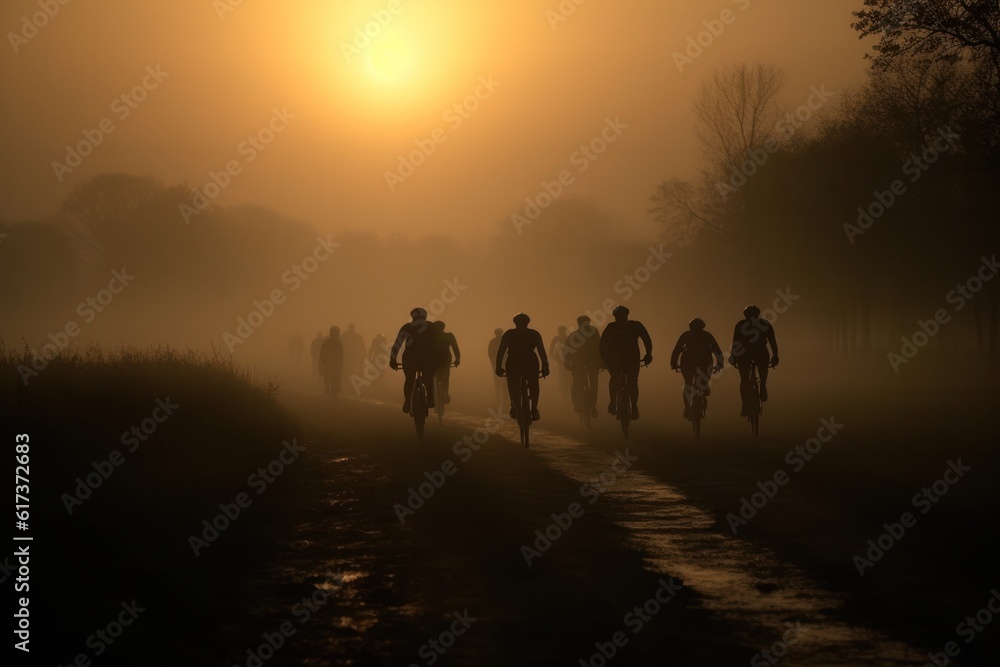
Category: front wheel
[524,415]
[697,411]
[420,410]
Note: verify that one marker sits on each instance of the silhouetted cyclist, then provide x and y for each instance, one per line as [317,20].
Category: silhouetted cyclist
[620,354]
[314,348]
[695,349]
[491,350]
[354,351]
[523,347]
[418,354]
[444,346]
[331,362]
[583,359]
[750,340]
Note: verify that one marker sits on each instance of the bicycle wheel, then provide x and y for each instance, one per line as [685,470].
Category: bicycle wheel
[524,413]
[439,403]
[624,406]
[696,412]
[584,404]
[753,409]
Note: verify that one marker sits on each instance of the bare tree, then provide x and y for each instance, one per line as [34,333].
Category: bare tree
[97,209]
[684,210]
[737,111]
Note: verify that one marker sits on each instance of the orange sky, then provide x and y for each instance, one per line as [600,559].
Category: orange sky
[347,110]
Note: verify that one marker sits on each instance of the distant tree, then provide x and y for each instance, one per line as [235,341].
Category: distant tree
[737,111]
[98,208]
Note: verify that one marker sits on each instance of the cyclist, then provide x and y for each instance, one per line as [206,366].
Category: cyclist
[418,354]
[695,349]
[523,347]
[331,361]
[583,359]
[620,354]
[750,340]
[444,345]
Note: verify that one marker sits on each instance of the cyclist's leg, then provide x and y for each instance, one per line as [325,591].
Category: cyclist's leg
[574,391]
[762,361]
[513,375]
[744,368]
[428,372]
[688,372]
[591,403]
[409,373]
[532,373]
[443,374]
[633,384]
[614,382]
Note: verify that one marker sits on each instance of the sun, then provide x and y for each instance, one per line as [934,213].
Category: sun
[389,59]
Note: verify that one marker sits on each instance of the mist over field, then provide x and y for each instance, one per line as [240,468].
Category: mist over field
[194,193]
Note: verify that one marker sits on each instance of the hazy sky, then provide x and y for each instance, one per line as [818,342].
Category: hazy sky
[347,111]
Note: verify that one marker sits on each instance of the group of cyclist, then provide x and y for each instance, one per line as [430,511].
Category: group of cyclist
[519,352]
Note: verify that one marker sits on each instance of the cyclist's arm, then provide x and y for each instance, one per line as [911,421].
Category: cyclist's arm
[677,349]
[540,346]
[772,340]
[646,340]
[502,350]
[454,346]
[716,350]
[400,339]
[736,349]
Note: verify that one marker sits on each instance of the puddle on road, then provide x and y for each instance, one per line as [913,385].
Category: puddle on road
[739,581]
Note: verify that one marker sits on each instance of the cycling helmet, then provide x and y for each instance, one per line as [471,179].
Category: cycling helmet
[620,310]
[697,324]
[751,312]
[583,319]
[521,318]
[418,314]
[498,332]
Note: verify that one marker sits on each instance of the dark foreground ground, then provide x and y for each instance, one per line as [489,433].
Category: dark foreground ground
[319,569]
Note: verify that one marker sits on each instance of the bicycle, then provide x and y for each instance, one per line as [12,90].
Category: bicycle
[585,395]
[523,407]
[755,408]
[418,402]
[698,403]
[623,403]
